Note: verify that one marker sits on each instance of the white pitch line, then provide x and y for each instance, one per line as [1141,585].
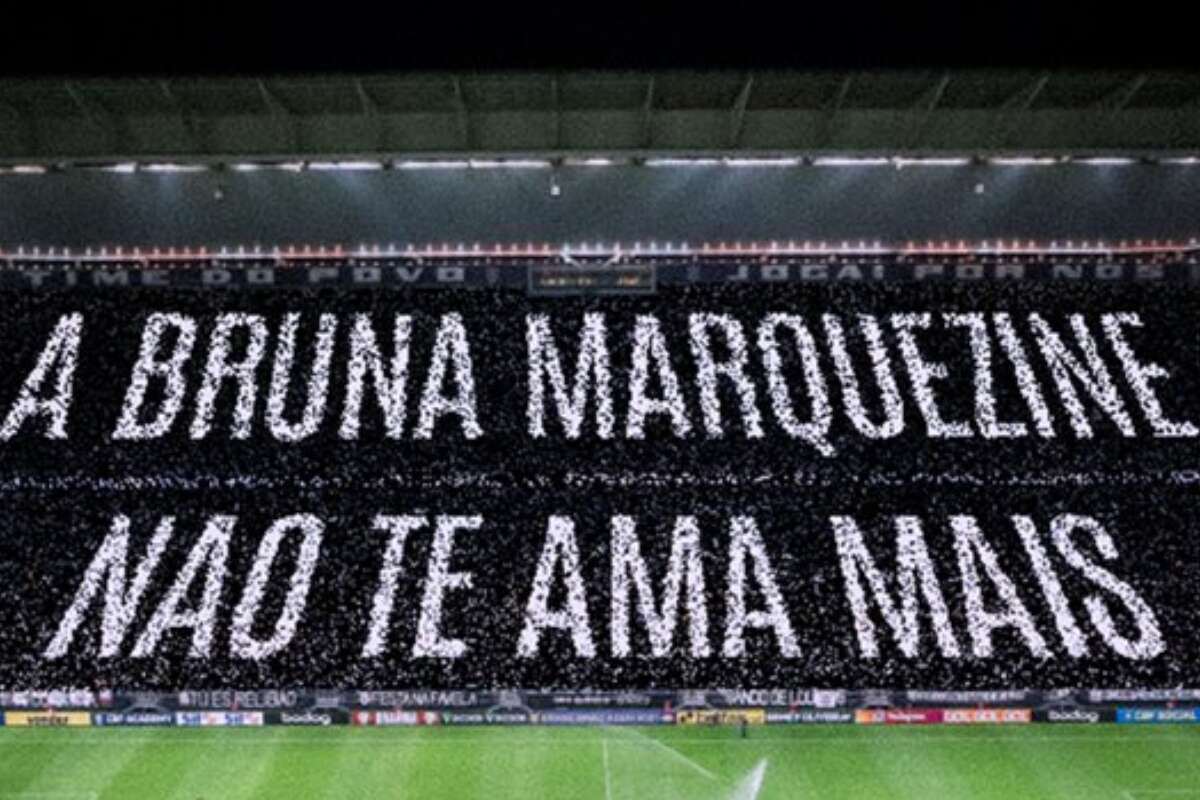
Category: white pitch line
[678,756]
[607,775]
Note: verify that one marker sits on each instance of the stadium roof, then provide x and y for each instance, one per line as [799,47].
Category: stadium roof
[61,121]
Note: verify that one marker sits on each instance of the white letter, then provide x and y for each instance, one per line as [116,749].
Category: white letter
[972,548]
[318,380]
[1073,638]
[912,558]
[985,401]
[648,343]
[893,408]
[385,596]
[219,368]
[685,564]
[1149,642]
[120,603]
[592,361]
[242,642]
[390,391]
[560,546]
[1094,377]
[212,551]
[149,366]
[923,373]
[744,537]
[430,643]
[59,354]
[709,369]
[814,431]
[1140,375]
[1027,380]
[451,347]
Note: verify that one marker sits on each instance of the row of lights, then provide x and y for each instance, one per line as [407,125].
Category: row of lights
[130,167]
[599,248]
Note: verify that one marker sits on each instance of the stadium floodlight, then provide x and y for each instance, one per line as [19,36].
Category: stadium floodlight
[246,166]
[1190,160]
[683,162]
[1106,161]
[931,162]
[431,164]
[348,166]
[171,167]
[512,163]
[28,169]
[590,162]
[762,162]
[125,168]
[290,166]
[847,161]
[1021,161]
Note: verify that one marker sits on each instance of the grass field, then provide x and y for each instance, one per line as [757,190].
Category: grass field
[1050,761]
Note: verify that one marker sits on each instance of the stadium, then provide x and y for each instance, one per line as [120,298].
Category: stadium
[653,433]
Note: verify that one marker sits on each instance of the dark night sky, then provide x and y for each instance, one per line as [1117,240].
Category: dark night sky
[205,38]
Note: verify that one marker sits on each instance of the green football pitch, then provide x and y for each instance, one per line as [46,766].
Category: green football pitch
[1049,761]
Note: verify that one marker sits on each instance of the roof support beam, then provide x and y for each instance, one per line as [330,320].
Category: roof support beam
[835,108]
[464,114]
[369,106]
[926,106]
[1120,97]
[186,120]
[556,100]
[843,90]
[26,133]
[370,110]
[737,117]
[1024,97]
[930,99]
[648,114]
[98,116]
[1012,109]
[281,112]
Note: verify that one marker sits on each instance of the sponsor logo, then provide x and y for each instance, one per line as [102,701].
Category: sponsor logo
[48,719]
[327,701]
[401,699]
[602,699]
[395,718]
[307,718]
[986,716]
[219,719]
[1142,695]
[631,716]
[918,697]
[1074,715]
[783,698]
[1158,715]
[751,716]
[898,716]
[147,718]
[485,718]
[904,716]
[233,719]
[808,717]
[238,699]
[49,698]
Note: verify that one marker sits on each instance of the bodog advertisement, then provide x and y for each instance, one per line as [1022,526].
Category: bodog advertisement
[875,485]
